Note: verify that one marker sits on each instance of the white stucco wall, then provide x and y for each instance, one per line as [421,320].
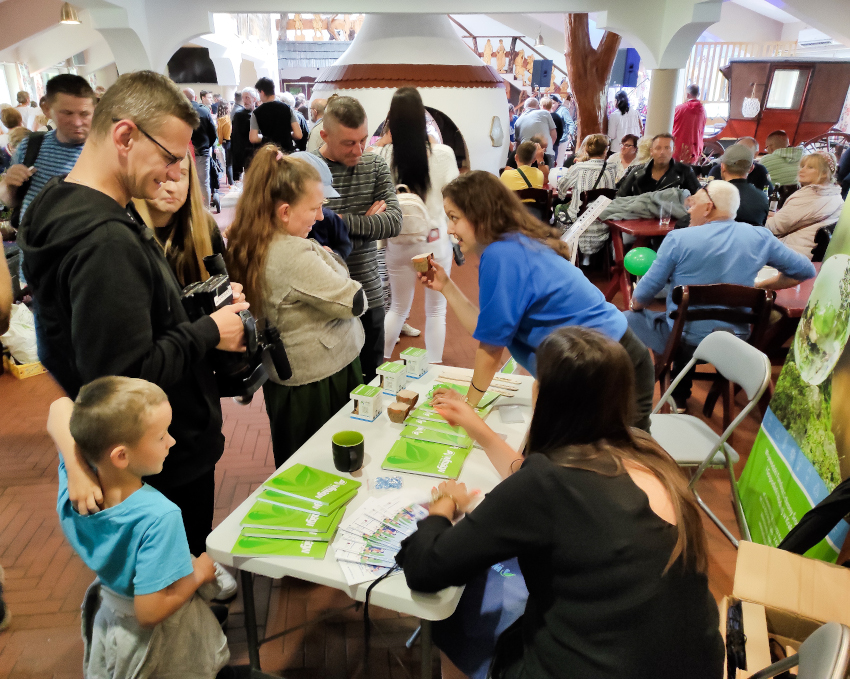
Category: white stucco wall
[471,109]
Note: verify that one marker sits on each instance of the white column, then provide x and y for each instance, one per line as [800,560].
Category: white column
[662,100]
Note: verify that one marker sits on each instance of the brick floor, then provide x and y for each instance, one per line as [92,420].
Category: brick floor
[46,581]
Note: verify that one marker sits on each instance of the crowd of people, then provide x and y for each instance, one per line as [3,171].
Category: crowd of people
[113,199]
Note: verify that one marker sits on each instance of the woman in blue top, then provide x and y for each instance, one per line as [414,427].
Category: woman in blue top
[527,286]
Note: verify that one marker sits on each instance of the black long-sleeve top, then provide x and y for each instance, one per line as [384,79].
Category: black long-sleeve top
[593,554]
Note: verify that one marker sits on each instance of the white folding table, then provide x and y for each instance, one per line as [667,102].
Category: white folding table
[391,593]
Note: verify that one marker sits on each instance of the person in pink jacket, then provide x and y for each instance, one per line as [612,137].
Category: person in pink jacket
[689,128]
[816,204]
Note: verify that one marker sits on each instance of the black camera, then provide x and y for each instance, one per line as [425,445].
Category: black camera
[238,375]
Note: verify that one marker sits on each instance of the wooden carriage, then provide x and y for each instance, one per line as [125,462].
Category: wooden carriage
[802,96]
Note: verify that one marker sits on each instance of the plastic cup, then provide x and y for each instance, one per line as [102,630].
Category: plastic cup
[665,213]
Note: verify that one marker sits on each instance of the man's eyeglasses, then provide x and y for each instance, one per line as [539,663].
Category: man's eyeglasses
[169,155]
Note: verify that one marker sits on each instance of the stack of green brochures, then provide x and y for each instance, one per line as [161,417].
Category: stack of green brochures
[445,438]
[295,509]
[312,485]
[429,459]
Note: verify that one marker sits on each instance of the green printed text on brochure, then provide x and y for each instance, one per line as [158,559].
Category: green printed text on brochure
[312,484]
[428,459]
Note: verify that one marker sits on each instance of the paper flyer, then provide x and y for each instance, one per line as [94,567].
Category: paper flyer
[312,484]
[284,500]
[802,451]
[250,546]
[432,436]
[429,459]
[266,515]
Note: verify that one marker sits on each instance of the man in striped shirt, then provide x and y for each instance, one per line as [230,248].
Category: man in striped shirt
[368,204]
[71,101]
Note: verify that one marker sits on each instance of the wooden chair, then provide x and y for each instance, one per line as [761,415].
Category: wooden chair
[822,240]
[542,201]
[587,197]
[720,302]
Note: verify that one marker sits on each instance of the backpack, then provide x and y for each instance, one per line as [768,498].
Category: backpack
[416,224]
[33,147]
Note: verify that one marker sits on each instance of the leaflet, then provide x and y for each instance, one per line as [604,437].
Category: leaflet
[436,425]
[428,459]
[284,500]
[431,436]
[269,516]
[312,484]
[486,400]
[276,534]
[251,546]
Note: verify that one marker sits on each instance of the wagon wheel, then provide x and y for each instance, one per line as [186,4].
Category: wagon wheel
[711,152]
[833,141]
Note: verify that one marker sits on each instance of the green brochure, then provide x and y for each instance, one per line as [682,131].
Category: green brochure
[266,515]
[288,534]
[435,425]
[250,546]
[486,400]
[311,484]
[444,438]
[283,500]
[429,459]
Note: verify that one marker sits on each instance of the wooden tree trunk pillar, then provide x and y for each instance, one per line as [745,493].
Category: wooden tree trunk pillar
[588,70]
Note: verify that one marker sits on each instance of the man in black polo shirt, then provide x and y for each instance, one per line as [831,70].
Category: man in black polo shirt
[735,165]
[758,176]
[273,121]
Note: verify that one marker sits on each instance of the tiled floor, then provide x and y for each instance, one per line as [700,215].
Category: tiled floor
[46,581]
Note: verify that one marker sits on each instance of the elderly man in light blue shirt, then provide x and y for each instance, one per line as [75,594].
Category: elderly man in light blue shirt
[714,249]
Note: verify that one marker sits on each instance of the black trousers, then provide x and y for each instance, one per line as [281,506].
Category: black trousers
[228,160]
[196,500]
[644,377]
[372,353]
[819,520]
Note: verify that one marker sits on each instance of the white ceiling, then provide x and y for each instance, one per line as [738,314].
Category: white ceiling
[767,9]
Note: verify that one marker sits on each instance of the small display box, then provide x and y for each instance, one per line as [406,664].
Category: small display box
[393,377]
[368,403]
[416,361]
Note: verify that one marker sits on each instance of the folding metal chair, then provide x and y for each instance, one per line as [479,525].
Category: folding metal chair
[824,655]
[690,441]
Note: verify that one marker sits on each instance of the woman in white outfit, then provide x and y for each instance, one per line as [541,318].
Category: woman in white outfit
[624,120]
[425,168]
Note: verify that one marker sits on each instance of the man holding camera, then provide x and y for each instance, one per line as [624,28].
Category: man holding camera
[107,301]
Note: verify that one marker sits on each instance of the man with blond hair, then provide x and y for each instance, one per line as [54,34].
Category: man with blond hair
[317,113]
[106,300]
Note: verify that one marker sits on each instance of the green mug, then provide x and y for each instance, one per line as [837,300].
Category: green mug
[348,450]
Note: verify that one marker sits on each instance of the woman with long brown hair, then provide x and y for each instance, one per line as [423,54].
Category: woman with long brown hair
[527,288]
[608,536]
[302,289]
[182,225]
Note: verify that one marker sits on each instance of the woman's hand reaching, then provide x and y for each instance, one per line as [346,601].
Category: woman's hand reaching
[435,278]
[452,500]
[456,411]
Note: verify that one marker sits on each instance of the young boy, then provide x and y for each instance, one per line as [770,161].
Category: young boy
[147,620]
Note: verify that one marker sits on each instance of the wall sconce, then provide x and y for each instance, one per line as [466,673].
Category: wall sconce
[497,136]
[68,15]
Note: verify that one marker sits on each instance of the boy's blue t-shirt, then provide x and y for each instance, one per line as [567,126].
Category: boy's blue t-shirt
[136,547]
[526,290]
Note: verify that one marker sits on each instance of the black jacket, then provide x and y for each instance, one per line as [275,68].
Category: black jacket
[206,133]
[333,232]
[678,175]
[107,303]
[754,203]
[274,118]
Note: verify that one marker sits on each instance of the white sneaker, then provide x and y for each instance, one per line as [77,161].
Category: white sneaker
[227,583]
[410,331]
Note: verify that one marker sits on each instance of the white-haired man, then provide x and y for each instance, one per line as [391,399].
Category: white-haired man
[714,249]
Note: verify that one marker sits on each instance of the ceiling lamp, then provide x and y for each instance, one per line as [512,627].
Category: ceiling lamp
[69,15]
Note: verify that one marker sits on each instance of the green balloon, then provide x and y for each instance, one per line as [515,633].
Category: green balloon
[639,260]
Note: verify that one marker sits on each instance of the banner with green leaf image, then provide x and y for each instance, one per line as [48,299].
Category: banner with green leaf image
[802,451]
